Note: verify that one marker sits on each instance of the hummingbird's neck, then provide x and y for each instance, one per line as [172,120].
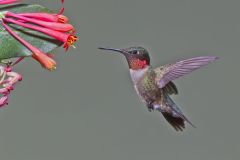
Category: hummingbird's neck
[137,74]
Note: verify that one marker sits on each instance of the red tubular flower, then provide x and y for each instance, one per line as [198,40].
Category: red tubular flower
[67,39]
[45,61]
[51,25]
[46,17]
[4,91]
[37,54]
[2,2]
[15,77]
[3,101]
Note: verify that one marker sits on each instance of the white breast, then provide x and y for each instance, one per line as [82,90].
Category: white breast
[136,75]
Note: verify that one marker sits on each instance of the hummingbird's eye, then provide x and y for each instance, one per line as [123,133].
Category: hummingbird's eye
[135,52]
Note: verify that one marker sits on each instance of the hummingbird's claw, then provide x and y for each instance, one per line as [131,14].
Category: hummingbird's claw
[150,107]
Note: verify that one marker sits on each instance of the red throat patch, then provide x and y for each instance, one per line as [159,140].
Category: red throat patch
[138,64]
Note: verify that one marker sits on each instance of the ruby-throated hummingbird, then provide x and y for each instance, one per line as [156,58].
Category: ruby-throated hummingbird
[154,86]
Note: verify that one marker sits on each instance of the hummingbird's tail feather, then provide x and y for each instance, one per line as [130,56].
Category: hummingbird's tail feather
[174,115]
[176,122]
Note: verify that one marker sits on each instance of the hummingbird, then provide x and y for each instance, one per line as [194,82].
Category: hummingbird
[154,86]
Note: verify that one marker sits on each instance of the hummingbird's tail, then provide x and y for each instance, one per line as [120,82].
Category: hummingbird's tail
[174,115]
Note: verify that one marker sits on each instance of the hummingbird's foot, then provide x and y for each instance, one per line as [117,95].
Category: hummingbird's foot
[150,107]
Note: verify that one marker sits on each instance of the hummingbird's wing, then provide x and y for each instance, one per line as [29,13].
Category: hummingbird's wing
[169,72]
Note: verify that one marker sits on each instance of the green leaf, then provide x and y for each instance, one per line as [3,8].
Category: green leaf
[11,48]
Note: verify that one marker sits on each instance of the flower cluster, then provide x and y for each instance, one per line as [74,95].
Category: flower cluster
[56,26]
[53,25]
[7,81]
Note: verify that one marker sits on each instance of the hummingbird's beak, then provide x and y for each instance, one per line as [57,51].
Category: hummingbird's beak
[112,49]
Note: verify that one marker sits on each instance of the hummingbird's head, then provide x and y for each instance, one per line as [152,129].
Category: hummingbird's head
[137,57]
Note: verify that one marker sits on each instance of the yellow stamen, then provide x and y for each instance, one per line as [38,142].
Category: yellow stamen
[71,40]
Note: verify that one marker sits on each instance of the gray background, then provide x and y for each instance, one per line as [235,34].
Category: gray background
[88,109]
